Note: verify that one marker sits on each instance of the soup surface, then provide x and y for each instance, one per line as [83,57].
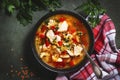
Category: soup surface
[58,42]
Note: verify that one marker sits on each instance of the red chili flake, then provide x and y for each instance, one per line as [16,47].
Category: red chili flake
[23,73]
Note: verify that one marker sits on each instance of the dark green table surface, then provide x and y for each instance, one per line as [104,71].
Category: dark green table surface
[16,57]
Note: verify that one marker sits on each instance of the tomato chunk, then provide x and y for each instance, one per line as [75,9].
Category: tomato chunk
[44,27]
[47,43]
[71,30]
[61,19]
[52,27]
[60,43]
[41,35]
[72,63]
[64,52]
[37,33]
[74,40]
[59,64]
[56,32]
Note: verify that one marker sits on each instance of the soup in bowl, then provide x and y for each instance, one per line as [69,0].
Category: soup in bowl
[57,41]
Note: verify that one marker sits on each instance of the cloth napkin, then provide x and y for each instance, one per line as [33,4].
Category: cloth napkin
[105,54]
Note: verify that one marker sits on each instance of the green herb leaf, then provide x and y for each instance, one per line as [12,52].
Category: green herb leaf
[25,8]
[11,8]
[92,9]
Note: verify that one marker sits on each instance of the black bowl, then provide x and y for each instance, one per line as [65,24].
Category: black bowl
[90,49]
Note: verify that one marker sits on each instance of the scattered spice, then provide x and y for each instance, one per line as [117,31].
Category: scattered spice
[12,49]
[22,73]
[11,66]
[21,59]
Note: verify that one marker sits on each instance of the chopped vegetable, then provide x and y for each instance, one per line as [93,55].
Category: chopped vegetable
[75,40]
[42,36]
[25,8]
[62,19]
[61,41]
[56,33]
[72,31]
[47,43]
[92,9]
[72,63]
[63,26]
[43,28]
[52,27]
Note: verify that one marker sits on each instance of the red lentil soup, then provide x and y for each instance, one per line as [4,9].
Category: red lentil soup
[58,43]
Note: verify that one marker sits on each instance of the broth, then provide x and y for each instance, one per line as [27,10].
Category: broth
[57,41]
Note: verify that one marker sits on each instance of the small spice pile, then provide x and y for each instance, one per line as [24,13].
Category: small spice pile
[21,73]
[25,73]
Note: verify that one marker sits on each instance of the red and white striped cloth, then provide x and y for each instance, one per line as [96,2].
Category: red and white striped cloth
[105,53]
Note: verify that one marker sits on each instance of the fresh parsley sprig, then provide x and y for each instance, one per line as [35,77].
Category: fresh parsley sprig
[25,8]
[92,9]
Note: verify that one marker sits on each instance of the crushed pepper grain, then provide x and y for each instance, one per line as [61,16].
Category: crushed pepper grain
[22,73]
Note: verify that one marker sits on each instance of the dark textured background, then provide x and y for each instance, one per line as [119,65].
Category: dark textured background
[15,48]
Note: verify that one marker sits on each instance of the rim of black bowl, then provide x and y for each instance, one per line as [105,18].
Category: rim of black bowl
[90,49]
